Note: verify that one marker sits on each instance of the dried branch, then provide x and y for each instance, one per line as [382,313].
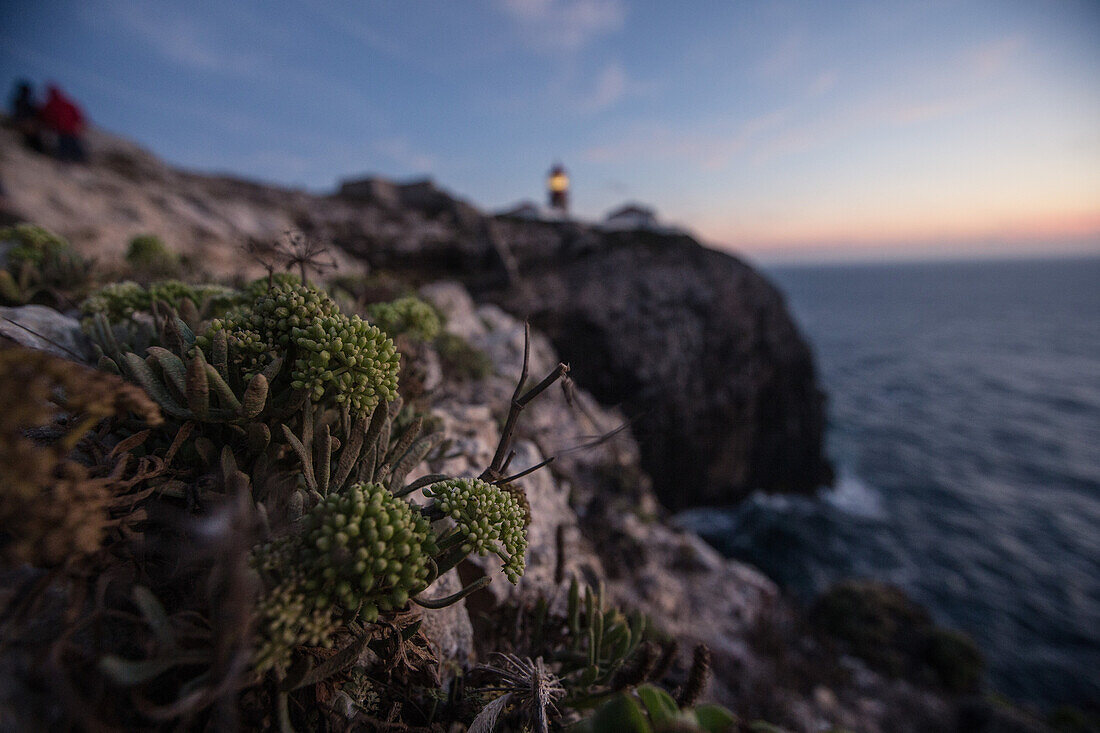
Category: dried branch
[520,399]
[523,473]
[296,250]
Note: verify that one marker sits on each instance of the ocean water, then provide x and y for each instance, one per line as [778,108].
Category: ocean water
[964,409]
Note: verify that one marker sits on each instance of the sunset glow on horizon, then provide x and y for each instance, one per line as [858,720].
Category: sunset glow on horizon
[833,130]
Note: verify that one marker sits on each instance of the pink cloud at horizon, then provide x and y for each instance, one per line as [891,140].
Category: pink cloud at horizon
[1072,234]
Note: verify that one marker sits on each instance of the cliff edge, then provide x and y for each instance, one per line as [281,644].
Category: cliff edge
[696,346]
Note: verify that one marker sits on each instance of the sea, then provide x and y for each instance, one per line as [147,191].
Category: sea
[964,422]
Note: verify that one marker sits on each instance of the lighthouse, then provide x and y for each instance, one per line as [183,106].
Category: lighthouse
[558,187]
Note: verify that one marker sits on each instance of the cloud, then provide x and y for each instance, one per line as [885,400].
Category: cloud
[401,152]
[783,58]
[823,84]
[709,149]
[556,25]
[612,86]
[882,113]
[179,38]
[991,58]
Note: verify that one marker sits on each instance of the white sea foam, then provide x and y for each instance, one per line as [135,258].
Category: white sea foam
[852,496]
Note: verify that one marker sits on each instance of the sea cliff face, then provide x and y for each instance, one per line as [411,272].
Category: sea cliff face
[696,346]
[693,343]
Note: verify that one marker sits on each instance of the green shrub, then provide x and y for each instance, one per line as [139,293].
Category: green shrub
[34,245]
[406,316]
[881,625]
[283,415]
[461,360]
[877,622]
[40,265]
[122,300]
[955,659]
[148,254]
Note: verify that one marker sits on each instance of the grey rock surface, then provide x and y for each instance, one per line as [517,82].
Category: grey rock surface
[43,328]
[449,628]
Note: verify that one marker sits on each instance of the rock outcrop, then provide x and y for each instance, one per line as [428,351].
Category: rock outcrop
[696,346]
[39,327]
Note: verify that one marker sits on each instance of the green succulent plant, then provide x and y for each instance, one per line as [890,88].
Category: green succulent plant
[147,253]
[649,709]
[601,640]
[408,315]
[34,245]
[122,300]
[356,554]
[329,355]
[39,263]
[287,408]
[186,387]
[364,550]
[487,518]
[287,619]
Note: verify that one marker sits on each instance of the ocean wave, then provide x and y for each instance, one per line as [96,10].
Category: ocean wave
[852,495]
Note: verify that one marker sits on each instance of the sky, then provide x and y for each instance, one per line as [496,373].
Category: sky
[783,130]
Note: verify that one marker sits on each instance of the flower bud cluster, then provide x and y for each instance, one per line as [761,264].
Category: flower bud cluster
[362,549]
[491,520]
[289,618]
[331,354]
[408,315]
[261,285]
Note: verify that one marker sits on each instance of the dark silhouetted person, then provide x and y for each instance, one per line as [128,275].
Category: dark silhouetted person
[24,116]
[61,115]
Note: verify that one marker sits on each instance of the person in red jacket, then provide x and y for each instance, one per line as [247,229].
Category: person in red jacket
[61,115]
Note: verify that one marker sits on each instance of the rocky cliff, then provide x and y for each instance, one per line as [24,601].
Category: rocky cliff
[594,514]
[594,518]
[696,346]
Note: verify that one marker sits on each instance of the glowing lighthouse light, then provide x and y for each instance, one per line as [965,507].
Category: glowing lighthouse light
[558,185]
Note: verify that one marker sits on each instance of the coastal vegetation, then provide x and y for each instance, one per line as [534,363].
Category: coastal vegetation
[218,519]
